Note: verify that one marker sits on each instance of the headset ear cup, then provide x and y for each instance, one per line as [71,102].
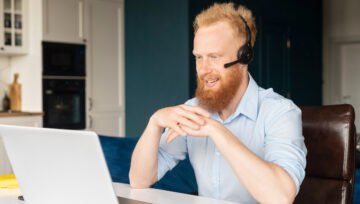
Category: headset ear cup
[245,54]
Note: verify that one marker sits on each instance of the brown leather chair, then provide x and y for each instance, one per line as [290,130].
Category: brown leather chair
[330,136]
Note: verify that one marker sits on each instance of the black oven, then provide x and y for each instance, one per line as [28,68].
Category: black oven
[63,59]
[64,103]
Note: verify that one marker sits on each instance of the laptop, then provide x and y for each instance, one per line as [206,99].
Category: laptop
[59,166]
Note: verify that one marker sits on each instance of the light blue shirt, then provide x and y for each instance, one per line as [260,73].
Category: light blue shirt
[265,122]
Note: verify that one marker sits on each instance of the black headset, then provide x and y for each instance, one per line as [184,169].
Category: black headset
[246,52]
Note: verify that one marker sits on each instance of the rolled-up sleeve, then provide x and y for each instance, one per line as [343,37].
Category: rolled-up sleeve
[284,142]
[170,154]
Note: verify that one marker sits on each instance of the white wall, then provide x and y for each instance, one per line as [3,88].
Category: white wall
[5,73]
[28,66]
[341,54]
[342,17]
[341,26]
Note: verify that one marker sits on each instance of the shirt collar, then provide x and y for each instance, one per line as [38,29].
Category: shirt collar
[248,105]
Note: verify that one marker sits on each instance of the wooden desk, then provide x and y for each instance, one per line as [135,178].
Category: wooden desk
[9,196]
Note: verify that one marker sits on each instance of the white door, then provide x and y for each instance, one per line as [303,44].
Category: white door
[106,68]
[63,20]
[350,77]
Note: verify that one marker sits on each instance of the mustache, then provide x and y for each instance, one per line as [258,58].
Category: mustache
[209,76]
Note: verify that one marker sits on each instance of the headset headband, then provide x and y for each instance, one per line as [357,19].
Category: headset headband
[245,53]
[248,34]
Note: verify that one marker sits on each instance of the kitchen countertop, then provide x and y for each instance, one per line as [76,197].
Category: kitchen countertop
[12,113]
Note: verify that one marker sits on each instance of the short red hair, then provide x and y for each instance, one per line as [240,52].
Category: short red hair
[227,12]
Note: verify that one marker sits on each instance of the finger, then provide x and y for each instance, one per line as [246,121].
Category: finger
[193,132]
[189,123]
[178,130]
[169,132]
[190,116]
[172,136]
[196,109]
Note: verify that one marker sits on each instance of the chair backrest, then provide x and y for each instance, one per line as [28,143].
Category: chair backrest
[330,138]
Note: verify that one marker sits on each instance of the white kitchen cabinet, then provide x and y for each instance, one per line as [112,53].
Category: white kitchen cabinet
[13,27]
[31,121]
[105,67]
[101,23]
[63,21]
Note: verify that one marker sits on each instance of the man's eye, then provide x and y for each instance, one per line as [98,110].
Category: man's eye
[214,57]
[198,57]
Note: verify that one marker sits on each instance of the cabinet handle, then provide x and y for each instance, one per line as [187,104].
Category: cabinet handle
[47,24]
[346,97]
[90,104]
[81,19]
[90,122]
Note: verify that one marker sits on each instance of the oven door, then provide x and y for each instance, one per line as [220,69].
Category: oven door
[64,103]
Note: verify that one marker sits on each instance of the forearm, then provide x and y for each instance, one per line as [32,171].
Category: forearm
[266,182]
[144,161]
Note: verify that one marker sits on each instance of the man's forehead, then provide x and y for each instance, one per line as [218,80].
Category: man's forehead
[218,29]
[214,38]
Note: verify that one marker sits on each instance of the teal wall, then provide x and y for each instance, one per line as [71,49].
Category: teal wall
[156,58]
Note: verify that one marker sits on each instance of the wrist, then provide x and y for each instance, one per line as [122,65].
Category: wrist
[216,131]
[213,133]
[153,124]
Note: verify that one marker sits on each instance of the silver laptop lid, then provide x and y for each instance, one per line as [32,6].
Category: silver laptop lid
[58,166]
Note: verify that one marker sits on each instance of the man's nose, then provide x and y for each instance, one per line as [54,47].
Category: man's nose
[204,67]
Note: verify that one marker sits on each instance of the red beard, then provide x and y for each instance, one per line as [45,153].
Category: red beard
[217,99]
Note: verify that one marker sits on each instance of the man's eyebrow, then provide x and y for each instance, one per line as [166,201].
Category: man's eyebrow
[210,53]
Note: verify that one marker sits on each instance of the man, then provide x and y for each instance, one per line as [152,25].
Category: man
[244,143]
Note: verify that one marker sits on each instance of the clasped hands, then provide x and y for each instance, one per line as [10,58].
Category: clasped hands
[184,120]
